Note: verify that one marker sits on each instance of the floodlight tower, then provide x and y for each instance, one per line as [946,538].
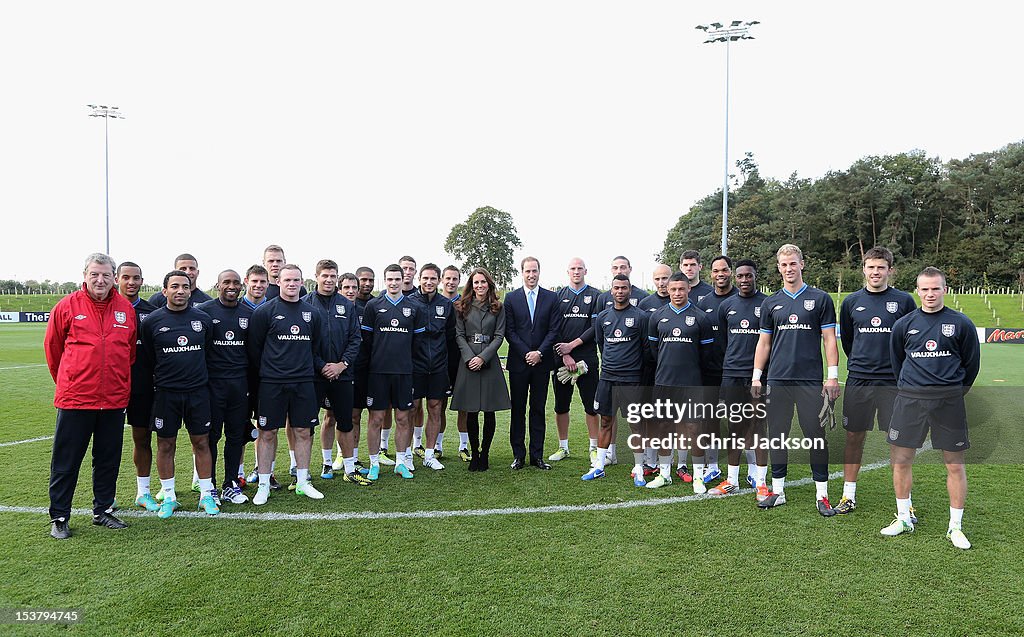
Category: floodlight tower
[106,112]
[717,32]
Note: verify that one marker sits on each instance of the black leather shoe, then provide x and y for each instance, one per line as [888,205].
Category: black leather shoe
[59,529]
[109,521]
[540,464]
[474,463]
[518,464]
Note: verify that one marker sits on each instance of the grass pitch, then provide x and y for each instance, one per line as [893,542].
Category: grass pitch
[706,567]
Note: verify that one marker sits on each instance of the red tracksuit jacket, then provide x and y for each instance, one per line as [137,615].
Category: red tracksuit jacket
[90,349]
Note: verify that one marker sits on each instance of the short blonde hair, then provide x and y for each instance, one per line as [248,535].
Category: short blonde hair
[789,248]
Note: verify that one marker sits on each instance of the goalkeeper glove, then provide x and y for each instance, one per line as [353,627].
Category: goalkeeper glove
[827,415]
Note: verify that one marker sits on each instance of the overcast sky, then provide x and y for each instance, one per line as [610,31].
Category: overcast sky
[362,131]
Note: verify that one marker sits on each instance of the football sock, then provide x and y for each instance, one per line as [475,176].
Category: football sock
[439,443]
[385,434]
[428,453]
[374,460]
[778,485]
[417,436]
[602,457]
[593,444]
[302,475]
[355,453]
[682,457]
[241,470]
[762,475]
[956,518]
[698,470]
[143,485]
[639,458]
[350,464]
[903,509]
[168,488]
[563,444]
[327,453]
[611,451]
[666,466]
[734,474]
[821,489]
[850,490]
[291,460]
[205,486]
[463,440]
[264,480]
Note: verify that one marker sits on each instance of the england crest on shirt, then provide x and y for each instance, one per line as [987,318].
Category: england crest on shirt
[406,311]
[632,302]
[892,307]
[809,304]
[757,311]
[629,321]
[243,322]
[587,299]
[197,326]
[439,309]
[307,316]
[340,309]
[948,329]
[120,317]
[690,320]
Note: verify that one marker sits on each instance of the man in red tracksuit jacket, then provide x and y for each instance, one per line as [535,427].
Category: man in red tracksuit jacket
[90,347]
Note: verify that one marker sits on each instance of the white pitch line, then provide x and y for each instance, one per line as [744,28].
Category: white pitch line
[39,439]
[21,442]
[3,369]
[404,515]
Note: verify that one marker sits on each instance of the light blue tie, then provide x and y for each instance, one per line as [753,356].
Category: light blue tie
[532,302]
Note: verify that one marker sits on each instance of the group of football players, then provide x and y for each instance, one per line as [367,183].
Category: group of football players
[267,354]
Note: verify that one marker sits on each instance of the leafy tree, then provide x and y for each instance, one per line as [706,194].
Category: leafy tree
[486,239]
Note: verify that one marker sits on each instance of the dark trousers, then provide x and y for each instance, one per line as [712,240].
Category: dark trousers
[75,427]
[528,385]
[806,398]
[229,411]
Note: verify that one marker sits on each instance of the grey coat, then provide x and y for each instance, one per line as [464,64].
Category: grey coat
[484,390]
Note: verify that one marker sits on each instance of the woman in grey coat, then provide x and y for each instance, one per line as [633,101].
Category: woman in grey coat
[480,385]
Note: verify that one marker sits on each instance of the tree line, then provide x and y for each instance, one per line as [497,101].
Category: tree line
[963,216]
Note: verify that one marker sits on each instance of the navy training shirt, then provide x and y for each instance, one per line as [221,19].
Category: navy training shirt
[739,320]
[622,337]
[142,368]
[699,291]
[795,322]
[284,342]
[576,309]
[176,343]
[391,329]
[710,304]
[935,349]
[681,341]
[227,356]
[865,329]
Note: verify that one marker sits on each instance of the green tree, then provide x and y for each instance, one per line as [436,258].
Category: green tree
[486,239]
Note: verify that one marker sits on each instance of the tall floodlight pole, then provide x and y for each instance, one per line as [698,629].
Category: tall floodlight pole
[717,32]
[106,112]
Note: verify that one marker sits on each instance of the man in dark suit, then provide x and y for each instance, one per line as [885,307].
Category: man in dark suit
[531,328]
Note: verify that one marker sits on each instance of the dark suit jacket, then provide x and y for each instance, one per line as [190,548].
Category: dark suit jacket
[524,335]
